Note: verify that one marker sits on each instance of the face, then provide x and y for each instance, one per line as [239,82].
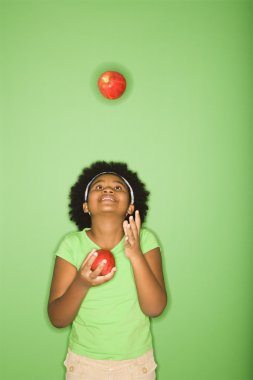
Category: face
[108,194]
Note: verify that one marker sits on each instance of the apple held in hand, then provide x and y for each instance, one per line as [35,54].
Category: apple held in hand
[111,84]
[104,255]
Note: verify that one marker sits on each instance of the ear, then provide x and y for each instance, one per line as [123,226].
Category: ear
[130,209]
[85,207]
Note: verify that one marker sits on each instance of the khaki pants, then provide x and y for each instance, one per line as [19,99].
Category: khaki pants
[81,367]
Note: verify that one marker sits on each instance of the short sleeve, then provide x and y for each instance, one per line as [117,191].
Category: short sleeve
[66,250]
[148,240]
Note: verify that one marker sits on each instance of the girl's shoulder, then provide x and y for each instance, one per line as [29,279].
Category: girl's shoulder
[146,232]
[70,248]
[70,241]
[72,236]
[148,239]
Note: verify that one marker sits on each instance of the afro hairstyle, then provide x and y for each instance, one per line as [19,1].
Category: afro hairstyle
[76,196]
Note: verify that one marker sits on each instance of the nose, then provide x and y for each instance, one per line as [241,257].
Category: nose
[108,189]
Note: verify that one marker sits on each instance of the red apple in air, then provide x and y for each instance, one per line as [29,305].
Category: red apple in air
[111,84]
[109,264]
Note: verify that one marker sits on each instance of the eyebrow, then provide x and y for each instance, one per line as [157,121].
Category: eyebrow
[101,180]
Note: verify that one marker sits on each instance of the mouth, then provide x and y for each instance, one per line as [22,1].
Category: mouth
[108,198]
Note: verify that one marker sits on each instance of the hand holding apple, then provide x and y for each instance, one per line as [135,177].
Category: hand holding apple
[93,277]
[110,262]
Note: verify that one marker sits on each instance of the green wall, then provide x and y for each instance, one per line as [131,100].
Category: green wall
[183,124]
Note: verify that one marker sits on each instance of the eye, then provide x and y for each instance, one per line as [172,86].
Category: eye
[99,187]
[118,188]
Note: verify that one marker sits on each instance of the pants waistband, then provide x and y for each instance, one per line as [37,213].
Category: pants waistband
[115,363]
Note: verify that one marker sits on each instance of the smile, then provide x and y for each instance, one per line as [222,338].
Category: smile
[108,198]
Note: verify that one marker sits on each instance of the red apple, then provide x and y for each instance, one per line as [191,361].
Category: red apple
[111,84]
[109,264]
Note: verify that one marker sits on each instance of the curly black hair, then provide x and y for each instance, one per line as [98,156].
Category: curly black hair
[76,195]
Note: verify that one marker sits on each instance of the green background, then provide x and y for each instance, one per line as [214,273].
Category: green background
[183,124]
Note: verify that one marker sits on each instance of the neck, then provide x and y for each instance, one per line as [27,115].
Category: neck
[106,232]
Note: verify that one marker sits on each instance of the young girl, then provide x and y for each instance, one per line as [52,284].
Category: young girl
[110,337]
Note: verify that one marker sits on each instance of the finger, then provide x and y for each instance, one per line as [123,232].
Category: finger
[138,220]
[125,223]
[130,234]
[126,242]
[90,258]
[107,277]
[133,227]
[99,268]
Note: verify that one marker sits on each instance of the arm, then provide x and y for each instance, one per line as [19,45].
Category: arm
[147,269]
[149,282]
[69,288]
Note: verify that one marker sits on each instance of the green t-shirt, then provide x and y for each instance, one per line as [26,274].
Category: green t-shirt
[110,323]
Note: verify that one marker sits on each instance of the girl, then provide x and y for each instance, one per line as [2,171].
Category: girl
[110,337]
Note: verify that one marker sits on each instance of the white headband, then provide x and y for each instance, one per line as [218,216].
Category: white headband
[126,182]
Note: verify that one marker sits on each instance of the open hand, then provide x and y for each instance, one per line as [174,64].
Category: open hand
[132,235]
[92,278]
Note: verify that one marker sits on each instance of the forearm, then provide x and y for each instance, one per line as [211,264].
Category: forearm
[63,310]
[152,297]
